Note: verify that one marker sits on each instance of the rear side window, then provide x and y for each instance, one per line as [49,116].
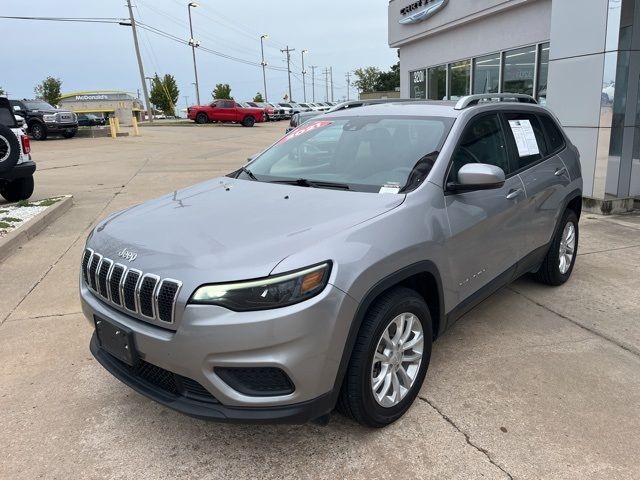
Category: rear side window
[483,141]
[556,140]
[6,118]
[528,137]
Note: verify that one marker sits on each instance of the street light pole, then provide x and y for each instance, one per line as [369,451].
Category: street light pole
[264,65]
[194,44]
[304,83]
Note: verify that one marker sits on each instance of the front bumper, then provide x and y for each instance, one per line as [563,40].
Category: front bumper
[55,127]
[305,340]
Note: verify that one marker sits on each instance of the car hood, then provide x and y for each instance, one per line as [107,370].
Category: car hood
[228,229]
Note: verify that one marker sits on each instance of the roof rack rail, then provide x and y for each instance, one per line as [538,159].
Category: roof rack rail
[470,100]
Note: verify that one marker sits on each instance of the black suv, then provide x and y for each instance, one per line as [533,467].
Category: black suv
[44,120]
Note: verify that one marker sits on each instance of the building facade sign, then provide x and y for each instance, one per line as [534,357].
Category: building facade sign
[421,10]
[418,84]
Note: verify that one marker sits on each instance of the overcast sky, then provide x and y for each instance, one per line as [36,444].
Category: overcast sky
[338,33]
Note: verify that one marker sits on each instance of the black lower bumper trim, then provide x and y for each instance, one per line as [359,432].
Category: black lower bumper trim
[24,169]
[298,413]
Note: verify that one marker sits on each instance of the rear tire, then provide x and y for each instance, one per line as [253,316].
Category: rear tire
[202,118]
[248,122]
[18,189]
[38,131]
[554,270]
[360,398]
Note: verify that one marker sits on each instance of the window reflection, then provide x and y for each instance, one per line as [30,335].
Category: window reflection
[519,66]
[486,74]
[438,83]
[460,77]
[543,74]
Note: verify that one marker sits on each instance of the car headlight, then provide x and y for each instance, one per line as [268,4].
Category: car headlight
[271,292]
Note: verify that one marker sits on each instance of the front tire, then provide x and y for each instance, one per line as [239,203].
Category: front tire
[389,360]
[70,134]
[248,122]
[18,189]
[202,118]
[558,264]
[38,131]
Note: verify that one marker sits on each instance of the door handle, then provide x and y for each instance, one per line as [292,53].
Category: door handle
[560,171]
[513,193]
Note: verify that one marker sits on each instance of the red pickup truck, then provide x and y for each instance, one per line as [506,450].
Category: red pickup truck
[225,111]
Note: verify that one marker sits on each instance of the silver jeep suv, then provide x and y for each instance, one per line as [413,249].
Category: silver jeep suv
[319,274]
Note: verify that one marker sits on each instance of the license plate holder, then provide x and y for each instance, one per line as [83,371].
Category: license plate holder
[116,340]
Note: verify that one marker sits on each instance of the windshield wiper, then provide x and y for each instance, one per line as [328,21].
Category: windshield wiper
[304,182]
[420,170]
[249,173]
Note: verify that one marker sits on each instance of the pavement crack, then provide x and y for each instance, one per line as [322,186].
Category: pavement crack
[608,250]
[626,347]
[81,235]
[51,315]
[484,451]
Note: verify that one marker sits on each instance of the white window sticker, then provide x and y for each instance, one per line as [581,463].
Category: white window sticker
[390,188]
[525,138]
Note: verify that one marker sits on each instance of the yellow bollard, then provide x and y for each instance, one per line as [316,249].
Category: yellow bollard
[134,123]
[112,127]
[117,122]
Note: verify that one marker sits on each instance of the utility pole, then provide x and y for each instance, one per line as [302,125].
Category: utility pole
[331,73]
[264,65]
[289,50]
[313,83]
[194,43]
[348,84]
[135,43]
[304,72]
[326,84]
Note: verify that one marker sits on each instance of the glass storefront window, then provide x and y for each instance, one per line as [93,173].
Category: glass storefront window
[519,66]
[543,74]
[438,83]
[418,84]
[486,74]
[459,79]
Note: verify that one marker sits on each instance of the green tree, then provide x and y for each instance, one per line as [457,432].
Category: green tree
[222,91]
[2,92]
[49,90]
[366,79]
[164,93]
[388,81]
[258,97]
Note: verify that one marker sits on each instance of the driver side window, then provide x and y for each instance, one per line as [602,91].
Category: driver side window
[483,141]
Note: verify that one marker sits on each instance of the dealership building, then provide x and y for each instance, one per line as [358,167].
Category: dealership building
[580,58]
[121,105]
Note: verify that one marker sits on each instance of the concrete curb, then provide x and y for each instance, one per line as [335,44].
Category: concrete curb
[22,235]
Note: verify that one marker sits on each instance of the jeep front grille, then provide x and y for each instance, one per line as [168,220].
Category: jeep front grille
[144,294]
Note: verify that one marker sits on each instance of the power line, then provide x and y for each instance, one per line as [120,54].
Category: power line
[72,19]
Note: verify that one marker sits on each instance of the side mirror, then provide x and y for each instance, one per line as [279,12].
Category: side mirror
[478,176]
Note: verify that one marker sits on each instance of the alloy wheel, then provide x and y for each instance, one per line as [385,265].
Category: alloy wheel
[567,247]
[397,359]
[5,149]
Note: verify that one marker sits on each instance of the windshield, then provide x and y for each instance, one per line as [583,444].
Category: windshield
[38,105]
[360,153]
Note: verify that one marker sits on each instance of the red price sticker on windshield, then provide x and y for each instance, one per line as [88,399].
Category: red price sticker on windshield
[303,130]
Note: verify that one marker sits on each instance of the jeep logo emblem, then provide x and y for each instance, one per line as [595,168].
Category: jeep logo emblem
[128,255]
